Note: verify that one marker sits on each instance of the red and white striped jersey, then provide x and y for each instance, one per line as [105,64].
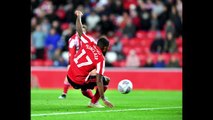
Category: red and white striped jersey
[88,57]
[74,44]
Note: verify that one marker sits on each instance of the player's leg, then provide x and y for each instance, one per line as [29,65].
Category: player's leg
[86,91]
[96,96]
[91,84]
[65,88]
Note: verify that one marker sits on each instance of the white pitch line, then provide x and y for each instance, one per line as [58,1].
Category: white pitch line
[97,111]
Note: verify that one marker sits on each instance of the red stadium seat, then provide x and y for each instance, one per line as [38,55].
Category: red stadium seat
[138,49]
[179,42]
[33,50]
[163,34]
[122,63]
[125,41]
[148,42]
[134,42]
[48,63]
[64,26]
[126,49]
[181,63]
[155,57]
[147,50]
[115,64]
[142,57]
[111,40]
[166,57]
[180,49]
[37,62]
[151,34]
[141,34]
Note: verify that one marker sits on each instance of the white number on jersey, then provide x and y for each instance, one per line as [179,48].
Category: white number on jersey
[89,61]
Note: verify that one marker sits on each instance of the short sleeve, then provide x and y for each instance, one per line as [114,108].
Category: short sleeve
[100,67]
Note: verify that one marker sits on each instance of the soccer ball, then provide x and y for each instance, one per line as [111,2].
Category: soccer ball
[125,86]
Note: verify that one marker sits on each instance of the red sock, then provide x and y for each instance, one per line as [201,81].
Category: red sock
[87,93]
[66,87]
[97,96]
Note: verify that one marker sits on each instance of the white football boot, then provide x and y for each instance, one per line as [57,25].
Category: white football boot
[96,105]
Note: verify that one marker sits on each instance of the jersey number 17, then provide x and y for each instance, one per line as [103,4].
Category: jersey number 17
[81,56]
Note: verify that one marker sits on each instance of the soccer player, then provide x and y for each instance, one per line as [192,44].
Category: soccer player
[89,57]
[74,44]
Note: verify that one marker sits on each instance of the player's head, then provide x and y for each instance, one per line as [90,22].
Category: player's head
[103,44]
[84,28]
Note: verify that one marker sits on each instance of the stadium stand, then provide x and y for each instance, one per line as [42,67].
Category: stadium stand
[137,24]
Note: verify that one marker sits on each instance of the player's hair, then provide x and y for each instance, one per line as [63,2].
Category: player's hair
[103,42]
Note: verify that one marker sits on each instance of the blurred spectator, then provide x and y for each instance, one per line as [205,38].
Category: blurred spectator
[169,27]
[133,59]
[177,21]
[149,62]
[51,42]
[173,62]
[60,62]
[121,18]
[116,7]
[170,43]
[47,6]
[179,7]
[45,25]
[158,8]
[163,17]
[113,18]
[144,11]
[92,20]
[129,29]
[117,48]
[60,13]
[100,5]
[56,26]
[128,3]
[38,42]
[135,19]
[65,37]
[34,4]
[149,5]
[157,45]
[105,25]
[70,16]
[154,22]
[160,62]
[33,23]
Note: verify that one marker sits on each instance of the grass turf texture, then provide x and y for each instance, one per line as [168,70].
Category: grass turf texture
[130,106]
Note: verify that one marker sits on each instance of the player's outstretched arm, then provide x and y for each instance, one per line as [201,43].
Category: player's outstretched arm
[101,90]
[79,26]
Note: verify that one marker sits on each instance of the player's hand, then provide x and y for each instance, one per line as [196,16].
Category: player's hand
[78,13]
[107,103]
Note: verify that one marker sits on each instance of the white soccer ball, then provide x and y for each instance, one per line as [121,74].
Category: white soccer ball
[125,86]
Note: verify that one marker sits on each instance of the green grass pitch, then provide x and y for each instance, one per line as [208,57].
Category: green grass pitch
[137,105]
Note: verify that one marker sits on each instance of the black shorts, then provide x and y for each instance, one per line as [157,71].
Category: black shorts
[89,84]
